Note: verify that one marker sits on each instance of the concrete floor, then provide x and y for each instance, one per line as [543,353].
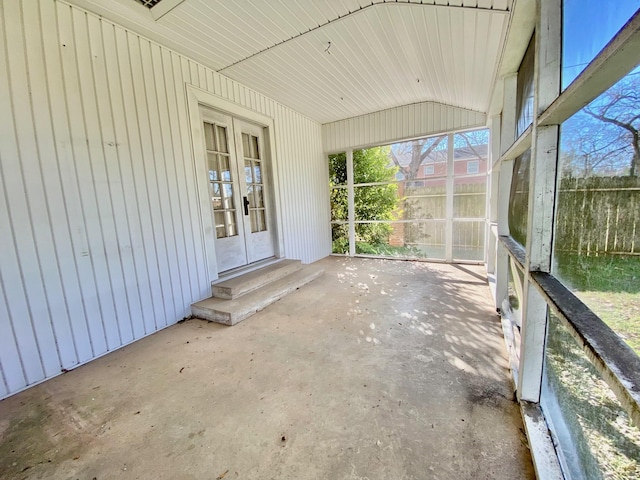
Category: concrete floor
[377,370]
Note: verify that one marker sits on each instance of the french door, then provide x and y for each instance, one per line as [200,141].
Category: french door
[240,208]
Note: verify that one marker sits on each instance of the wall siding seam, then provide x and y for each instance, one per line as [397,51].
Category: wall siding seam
[64,358]
[114,86]
[39,249]
[121,36]
[19,266]
[72,198]
[104,157]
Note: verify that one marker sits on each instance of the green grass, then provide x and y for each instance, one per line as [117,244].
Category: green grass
[607,445]
[388,250]
[617,273]
[621,311]
[363,248]
[610,286]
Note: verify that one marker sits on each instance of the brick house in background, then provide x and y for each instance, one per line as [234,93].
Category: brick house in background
[469,166]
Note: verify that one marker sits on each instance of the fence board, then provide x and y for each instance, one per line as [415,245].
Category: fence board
[599,215]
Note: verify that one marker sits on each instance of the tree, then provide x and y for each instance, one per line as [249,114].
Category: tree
[375,202]
[419,150]
[604,137]
[410,157]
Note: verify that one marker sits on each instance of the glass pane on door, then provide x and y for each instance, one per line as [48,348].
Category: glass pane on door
[221,186]
[254,180]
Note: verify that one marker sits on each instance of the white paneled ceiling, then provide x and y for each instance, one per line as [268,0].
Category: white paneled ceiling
[334,59]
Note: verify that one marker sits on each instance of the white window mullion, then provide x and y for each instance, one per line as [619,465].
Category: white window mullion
[449,201]
[351,206]
[491,231]
[542,187]
[505,172]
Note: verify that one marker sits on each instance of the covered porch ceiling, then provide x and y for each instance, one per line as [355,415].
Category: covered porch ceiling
[331,59]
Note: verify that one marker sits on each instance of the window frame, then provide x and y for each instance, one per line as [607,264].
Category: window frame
[475,170]
[542,291]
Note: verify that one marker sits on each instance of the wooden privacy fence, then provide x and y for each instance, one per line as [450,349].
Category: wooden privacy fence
[599,215]
[595,215]
[423,207]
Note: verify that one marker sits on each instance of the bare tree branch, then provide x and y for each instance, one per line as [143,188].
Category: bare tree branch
[625,125]
[431,148]
[466,139]
[396,161]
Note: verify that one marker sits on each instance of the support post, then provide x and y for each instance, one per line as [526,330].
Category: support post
[542,187]
[507,137]
[491,239]
[449,201]
[351,208]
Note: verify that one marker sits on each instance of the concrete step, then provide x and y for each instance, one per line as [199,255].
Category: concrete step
[232,311]
[238,286]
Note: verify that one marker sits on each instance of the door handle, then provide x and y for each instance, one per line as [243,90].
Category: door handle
[246,205]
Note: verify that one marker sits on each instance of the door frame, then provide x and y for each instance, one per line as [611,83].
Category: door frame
[197,97]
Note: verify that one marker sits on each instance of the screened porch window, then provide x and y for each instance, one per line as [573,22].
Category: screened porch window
[519,198]
[597,235]
[415,199]
[524,92]
[588,25]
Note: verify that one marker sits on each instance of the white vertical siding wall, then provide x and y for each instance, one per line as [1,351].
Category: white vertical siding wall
[394,124]
[100,233]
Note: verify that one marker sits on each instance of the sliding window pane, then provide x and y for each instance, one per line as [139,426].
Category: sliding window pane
[425,158]
[340,238]
[400,239]
[376,202]
[421,201]
[588,25]
[516,294]
[468,240]
[470,197]
[373,165]
[597,235]
[519,198]
[339,205]
[425,239]
[470,153]
[338,169]
[524,90]
[595,437]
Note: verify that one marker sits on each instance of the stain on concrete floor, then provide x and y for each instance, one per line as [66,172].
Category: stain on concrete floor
[378,370]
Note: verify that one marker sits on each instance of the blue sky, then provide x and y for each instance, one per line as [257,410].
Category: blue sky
[588,27]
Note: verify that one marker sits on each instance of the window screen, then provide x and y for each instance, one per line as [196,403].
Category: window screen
[524,92]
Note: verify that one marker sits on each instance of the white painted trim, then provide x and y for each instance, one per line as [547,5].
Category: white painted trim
[542,192]
[534,334]
[495,126]
[543,451]
[504,190]
[505,175]
[508,130]
[618,58]
[136,18]
[351,208]
[542,188]
[519,146]
[196,97]
[521,26]
[493,179]
[448,234]
[164,7]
